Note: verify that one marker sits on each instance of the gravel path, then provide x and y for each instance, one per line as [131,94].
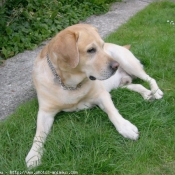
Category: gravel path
[15,77]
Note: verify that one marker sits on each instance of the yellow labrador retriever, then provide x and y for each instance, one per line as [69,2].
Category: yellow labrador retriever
[68,76]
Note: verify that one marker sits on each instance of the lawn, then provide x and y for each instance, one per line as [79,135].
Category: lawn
[86,142]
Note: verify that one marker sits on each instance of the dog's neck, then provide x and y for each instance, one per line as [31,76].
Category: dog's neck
[58,80]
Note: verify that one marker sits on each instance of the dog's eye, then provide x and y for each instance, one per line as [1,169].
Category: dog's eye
[91,50]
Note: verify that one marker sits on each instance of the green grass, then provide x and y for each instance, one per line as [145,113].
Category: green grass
[86,141]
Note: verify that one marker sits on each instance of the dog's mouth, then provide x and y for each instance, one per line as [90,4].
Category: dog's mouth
[104,78]
[101,79]
[92,78]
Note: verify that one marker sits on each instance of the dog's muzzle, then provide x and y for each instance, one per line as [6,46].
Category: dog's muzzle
[105,74]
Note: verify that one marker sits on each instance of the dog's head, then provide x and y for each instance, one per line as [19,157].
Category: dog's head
[80,48]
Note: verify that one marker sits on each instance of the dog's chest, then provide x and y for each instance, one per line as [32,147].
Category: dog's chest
[76,102]
[85,104]
[71,98]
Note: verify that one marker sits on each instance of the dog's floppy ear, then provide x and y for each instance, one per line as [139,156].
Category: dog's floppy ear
[64,45]
[127,46]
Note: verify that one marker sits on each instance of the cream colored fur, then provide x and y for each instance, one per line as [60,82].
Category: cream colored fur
[78,54]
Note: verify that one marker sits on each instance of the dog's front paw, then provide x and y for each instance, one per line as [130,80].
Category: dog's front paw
[158,94]
[33,159]
[128,130]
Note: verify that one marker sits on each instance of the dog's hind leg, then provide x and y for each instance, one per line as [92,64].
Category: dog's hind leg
[156,92]
[145,93]
[131,65]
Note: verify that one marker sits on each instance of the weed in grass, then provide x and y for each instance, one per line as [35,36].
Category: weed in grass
[86,141]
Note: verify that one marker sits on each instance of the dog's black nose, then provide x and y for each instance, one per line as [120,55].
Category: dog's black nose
[114,65]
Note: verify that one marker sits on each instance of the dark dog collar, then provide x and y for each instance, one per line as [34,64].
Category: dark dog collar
[57,78]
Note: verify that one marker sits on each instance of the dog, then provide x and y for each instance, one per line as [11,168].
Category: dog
[76,70]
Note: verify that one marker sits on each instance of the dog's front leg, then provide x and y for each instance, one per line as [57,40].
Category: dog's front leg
[44,123]
[123,126]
